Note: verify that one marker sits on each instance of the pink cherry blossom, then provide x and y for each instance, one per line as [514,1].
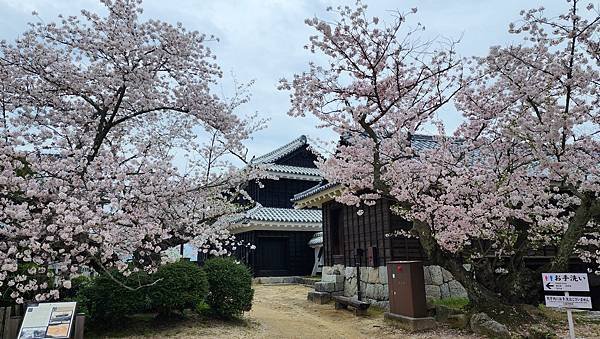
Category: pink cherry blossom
[94,109]
[520,175]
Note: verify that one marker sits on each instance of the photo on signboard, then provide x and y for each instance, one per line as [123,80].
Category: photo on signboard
[60,315]
[59,322]
[33,333]
[58,331]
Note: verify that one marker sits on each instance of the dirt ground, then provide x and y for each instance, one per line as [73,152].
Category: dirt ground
[282,311]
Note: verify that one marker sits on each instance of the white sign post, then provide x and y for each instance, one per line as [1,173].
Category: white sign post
[567,282]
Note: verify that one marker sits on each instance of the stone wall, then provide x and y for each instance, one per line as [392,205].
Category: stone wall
[440,284]
[337,279]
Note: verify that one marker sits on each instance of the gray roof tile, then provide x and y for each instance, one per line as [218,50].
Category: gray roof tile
[322,186]
[261,213]
[317,239]
[294,170]
[280,152]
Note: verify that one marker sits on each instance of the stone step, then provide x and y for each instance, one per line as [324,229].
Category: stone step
[319,297]
[323,286]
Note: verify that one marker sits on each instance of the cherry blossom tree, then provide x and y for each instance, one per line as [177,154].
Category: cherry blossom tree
[96,111]
[519,177]
[532,108]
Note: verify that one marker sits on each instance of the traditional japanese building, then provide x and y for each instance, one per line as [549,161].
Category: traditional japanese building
[356,247]
[281,233]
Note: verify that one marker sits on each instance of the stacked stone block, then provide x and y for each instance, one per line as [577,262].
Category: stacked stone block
[340,280]
[440,284]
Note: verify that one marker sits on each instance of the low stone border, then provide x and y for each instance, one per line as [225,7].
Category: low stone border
[286,280]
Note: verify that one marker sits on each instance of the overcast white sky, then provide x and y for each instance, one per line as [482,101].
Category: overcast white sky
[263,40]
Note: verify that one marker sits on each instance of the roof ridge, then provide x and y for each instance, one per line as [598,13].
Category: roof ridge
[321,186]
[280,152]
[290,169]
[281,214]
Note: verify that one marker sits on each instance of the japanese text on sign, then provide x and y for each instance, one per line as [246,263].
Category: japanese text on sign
[565,282]
[562,301]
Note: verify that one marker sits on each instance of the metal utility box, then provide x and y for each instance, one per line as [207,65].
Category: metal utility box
[406,284]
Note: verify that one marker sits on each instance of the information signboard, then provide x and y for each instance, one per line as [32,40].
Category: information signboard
[563,301]
[48,320]
[565,282]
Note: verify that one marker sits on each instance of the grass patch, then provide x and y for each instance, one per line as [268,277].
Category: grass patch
[555,316]
[513,316]
[550,314]
[375,311]
[456,303]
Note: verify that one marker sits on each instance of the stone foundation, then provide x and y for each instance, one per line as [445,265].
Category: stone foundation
[440,284]
[340,280]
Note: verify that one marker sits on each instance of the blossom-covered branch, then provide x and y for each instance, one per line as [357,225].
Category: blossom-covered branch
[96,110]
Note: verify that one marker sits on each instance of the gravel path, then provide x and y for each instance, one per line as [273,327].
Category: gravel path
[282,311]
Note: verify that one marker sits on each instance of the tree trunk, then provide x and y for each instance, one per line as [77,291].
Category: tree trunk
[583,215]
[478,294]
[519,286]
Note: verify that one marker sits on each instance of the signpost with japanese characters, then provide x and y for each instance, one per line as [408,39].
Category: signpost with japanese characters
[567,282]
[563,301]
[572,282]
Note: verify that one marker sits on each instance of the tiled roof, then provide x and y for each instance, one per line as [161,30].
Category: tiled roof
[314,190]
[294,170]
[281,151]
[316,240]
[287,215]
[420,142]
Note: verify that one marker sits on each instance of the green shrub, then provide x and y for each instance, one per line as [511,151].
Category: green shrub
[178,286]
[104,299]
[181,285]
[230,287]
[77,284]
[203,308]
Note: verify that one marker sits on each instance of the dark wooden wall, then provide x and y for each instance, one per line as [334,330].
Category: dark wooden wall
[370,228]
[364,231]
[267,259]
[279,253]
[301,157]
[277,193]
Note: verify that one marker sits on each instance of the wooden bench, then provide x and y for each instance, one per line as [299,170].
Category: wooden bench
[359,307]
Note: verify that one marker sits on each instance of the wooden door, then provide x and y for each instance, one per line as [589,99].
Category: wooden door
[273,256]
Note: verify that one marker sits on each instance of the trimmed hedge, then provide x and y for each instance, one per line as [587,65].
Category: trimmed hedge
[105,300]
[230,287]
[181,285]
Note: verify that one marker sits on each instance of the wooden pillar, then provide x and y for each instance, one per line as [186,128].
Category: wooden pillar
[5,323]
[78,326]
[2,311]
[12,330]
